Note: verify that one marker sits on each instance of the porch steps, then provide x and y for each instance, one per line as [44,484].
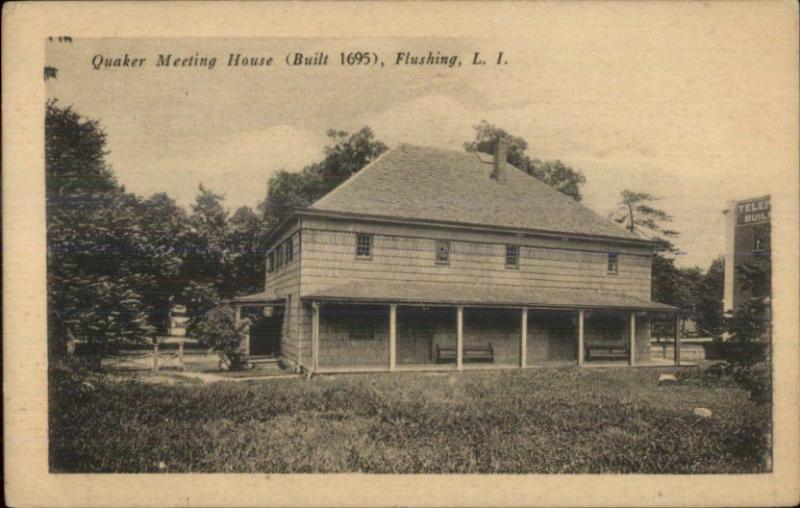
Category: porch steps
[262,360]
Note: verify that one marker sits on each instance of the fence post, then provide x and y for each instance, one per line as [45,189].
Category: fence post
[155,355]
[460,337]
[523,339]
[677,351]
[632,359]
[392,337]
[581,347]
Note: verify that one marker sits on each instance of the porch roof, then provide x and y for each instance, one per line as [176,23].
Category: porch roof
[259,298]
[481,295]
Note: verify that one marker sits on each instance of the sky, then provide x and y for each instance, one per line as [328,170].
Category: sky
[687,114]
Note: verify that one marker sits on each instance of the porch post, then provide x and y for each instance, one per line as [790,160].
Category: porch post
[632,359]
[460,337]
[581,348]
[523,339]
[315,336]
[392,336]
[677,338]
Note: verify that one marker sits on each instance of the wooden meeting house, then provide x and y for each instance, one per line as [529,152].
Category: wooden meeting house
[437,259]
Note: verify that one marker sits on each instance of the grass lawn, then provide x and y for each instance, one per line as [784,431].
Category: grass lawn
[535,421]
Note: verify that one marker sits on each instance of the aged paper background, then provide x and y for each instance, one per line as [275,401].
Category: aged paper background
[771,28]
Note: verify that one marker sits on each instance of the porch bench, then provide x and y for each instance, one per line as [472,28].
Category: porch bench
[471,353]
[608,350]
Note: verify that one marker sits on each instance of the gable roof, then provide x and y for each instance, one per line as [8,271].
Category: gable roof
[433,184]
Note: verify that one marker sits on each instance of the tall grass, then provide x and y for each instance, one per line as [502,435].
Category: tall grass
[534,421]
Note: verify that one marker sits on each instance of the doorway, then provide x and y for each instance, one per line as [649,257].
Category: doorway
[266,331]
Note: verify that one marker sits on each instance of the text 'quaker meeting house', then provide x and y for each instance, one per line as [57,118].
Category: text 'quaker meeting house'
[436,259]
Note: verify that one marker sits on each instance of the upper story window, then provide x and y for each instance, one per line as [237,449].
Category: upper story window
[271,262]
[289,250]
[613,264]
[363,246]
[281,255]
[512,256]
[442,253]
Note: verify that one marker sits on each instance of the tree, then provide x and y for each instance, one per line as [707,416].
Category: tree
[639,216]
[93,242]
[247,242]
[556,174]
[666,282]
[344,156]
[709,311]
[199,298]
[288,191]
[749,352]
[163,227]
[207,258]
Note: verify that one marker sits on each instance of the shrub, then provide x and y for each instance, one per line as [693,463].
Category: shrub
[756,379]
[217,329]
[748,353]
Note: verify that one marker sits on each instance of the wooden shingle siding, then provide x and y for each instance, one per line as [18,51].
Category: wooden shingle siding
[285,283]
[328,259]
[552,337]
[466,234]
[498,327]
[342,343]
[421,330]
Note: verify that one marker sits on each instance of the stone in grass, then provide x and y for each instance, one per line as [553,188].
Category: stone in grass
[667,379]
[702,412]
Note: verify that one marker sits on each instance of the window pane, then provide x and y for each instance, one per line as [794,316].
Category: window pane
[612,263]
[363,245]
[442,252]
[512,255]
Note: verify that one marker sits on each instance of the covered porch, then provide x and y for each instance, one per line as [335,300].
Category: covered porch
[265,315]
[390,328]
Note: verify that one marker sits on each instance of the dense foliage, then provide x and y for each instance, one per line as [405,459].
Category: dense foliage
[117,262]
[346,155]
[750,357]
[218,330]
[534,421]
[100,264]
[556,174]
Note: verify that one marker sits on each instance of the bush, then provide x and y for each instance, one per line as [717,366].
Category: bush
[756,379]
[217,329]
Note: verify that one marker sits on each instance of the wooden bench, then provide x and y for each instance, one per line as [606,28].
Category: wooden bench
[608,350]
[471,353]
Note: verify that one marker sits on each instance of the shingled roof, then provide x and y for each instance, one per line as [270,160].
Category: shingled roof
[472,294]
[433,184]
